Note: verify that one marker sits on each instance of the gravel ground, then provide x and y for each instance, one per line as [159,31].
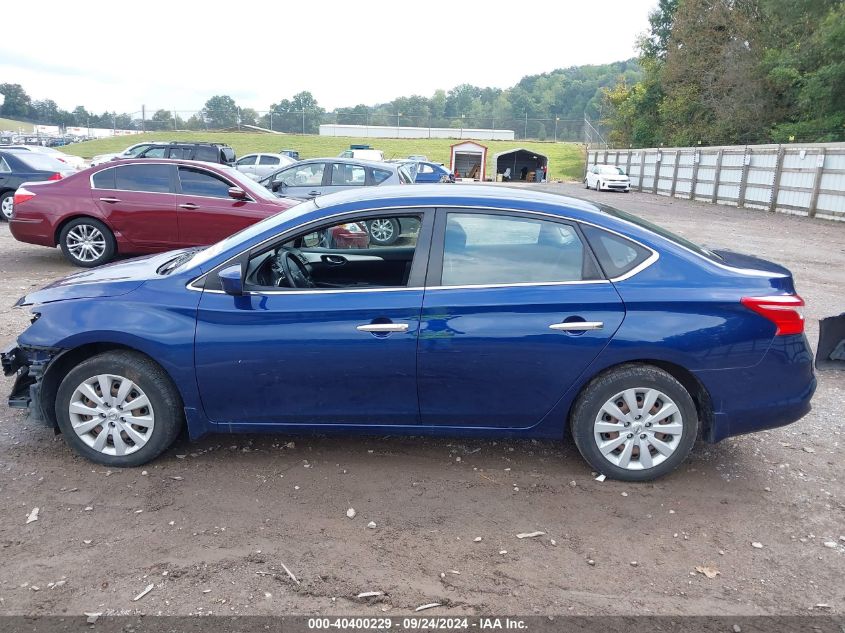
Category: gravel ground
[211,525]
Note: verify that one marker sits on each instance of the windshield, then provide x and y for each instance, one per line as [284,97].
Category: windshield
[607,169]
[654,228]
[209,253]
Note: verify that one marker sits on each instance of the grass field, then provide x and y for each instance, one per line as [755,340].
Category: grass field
[14,126]
[566,160]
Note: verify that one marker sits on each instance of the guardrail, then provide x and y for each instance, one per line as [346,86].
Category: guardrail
[806,180]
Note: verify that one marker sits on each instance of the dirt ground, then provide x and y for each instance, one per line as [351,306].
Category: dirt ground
[212,524]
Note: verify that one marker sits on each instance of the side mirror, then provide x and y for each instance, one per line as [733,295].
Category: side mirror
[237,193]
[232,280]
[277,186]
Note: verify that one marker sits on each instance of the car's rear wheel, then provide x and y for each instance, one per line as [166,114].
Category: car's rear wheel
[118,409]
[87,242]
[7,205]
[384,231]
[635,423]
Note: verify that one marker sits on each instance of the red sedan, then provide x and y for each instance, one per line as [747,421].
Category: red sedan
[139,206]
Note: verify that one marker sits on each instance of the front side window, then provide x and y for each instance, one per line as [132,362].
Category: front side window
[208,154]
[482,249]
[155,152]
[348,175]
[182,153]
[197,182]
[152,178]
[425,169]
[301,175]
[337,256]
[246,160]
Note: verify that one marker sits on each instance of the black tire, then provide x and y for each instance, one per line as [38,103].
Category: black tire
[6,200]
[67,239]
[380,238]
[598,185]
[166,405]
[598,392]
[586,183]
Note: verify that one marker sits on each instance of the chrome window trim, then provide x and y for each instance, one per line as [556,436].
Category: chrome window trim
[645,264]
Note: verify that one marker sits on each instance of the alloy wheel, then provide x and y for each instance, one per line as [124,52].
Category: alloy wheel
[381,230]
[86,243]
[638,428]
[111,414]
[8,207]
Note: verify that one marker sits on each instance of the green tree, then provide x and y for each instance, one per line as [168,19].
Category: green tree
[220,111]
[17,104]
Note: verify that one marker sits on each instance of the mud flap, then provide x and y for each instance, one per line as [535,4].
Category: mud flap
[830,353]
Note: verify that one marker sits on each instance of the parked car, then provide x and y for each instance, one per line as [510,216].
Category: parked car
[207,152]
[513,313]
[363,154]
[310,178]
[258,166]
[130,152]
[139,206]
[17,168]
[427,172]
[76,162]
[607,178]
[294,154]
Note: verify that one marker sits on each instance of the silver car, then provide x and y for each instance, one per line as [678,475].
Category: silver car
[259,165]
[308,179]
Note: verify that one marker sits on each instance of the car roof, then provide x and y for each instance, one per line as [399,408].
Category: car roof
[349,161]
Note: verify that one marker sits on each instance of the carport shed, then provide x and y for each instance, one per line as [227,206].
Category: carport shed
[520,158]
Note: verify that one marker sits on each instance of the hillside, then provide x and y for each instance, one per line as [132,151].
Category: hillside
[566,160]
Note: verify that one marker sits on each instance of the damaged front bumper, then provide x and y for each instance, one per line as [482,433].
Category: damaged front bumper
[28,365]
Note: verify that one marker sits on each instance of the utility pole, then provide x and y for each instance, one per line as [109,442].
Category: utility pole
[303,121]
[557,118]
[143,117]
[271,120]
[525,132]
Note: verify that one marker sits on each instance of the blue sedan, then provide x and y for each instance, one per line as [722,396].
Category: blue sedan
[426,172]
[507,313]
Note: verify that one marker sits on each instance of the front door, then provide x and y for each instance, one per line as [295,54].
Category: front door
[206,211]
[333,342]
[514,315]
[303,180]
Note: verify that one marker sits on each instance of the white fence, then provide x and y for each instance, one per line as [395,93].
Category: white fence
[802,180]
[393,131]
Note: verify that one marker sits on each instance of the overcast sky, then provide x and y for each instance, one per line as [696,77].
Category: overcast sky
[174,55]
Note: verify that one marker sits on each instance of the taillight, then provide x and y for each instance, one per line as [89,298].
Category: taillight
[56,176]
[22,195]
[782,310]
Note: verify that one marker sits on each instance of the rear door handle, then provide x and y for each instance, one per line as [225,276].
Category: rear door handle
[383,328]
[110,200]
[189,206]
[577,326]
[314,193]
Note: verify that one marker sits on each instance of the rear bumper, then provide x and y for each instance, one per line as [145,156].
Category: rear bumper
[775,392]
[32,231]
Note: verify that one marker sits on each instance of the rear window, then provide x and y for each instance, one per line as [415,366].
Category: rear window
[654,228]
[40,162]
[617,255]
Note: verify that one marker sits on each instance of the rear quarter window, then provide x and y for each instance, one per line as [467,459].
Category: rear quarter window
[617,255]
[380,175]
[104,179]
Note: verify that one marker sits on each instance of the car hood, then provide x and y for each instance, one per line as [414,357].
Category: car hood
[112,280]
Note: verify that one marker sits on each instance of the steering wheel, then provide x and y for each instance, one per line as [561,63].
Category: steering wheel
[292,269]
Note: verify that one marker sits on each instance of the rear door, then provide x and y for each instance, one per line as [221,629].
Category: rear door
[139,201]
[206,211]
[266,165]
[515,309]
[345,176]
[247,164]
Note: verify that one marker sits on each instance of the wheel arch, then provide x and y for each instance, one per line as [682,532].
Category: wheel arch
[698,392]
[76,216]
[62,364]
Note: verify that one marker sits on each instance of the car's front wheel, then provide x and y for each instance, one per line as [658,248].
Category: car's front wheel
[118,409]
[7,205]
[87,242]
[384,231]
[634,423]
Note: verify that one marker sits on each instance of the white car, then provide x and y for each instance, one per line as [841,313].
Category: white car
[607,178]
[130,152]
[363,154]
[257,166]
[76,162]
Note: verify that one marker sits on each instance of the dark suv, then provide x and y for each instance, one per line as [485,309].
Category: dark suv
[209,152]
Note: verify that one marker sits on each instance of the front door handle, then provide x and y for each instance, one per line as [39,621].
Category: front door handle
[189,205]
[383,328]
[110,200]
[314,193]
[577,326]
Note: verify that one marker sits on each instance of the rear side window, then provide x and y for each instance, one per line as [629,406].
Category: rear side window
[348,175]
[104,179]
[208,154]
[380,175]
[269,160]
[154,152]
[196,182]
[154,178]
[616,254]
[500,249]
